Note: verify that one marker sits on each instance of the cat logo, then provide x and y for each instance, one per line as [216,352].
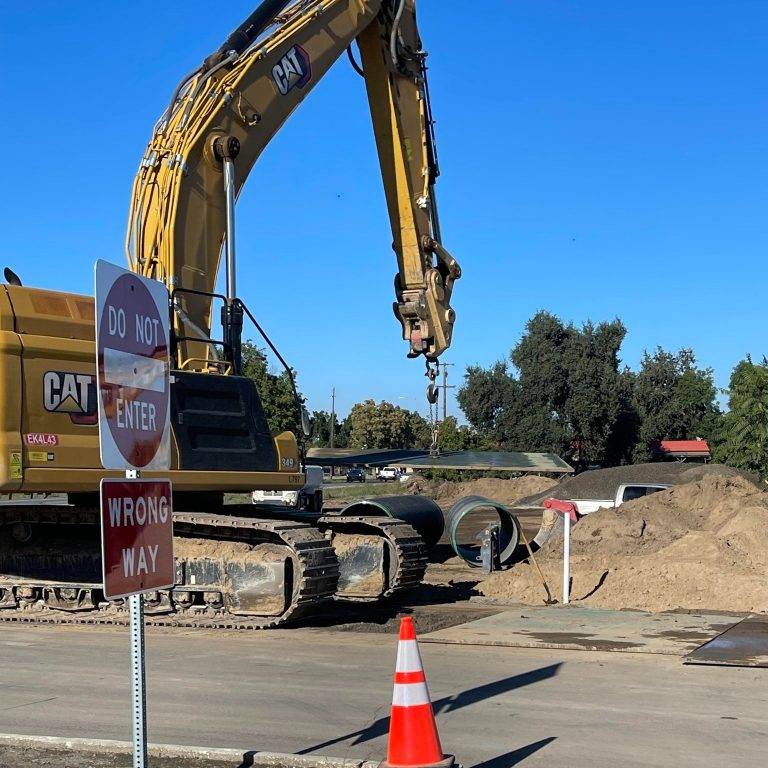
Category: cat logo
[72,393]
[292,71]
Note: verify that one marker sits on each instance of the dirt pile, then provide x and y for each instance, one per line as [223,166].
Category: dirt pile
[700,545]
[507,491]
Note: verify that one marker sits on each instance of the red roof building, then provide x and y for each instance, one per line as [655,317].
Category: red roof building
[683,449]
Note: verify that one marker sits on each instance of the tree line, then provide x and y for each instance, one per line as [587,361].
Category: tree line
[562,389]
[368,425]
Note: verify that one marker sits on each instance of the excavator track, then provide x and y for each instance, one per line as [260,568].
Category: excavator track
[243,588]
[379,557]
[229,568]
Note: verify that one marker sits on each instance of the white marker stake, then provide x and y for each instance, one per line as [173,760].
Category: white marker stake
[566,557]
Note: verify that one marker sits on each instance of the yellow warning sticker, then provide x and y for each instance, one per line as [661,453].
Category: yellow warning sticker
[38,455]
[15,465]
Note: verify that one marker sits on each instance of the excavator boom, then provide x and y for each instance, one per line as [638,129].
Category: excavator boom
[224,114]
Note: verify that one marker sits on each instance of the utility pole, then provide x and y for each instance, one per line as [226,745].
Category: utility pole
[333,415]
[445,387]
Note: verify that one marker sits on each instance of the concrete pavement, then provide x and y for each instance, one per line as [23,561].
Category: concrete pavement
[328,692]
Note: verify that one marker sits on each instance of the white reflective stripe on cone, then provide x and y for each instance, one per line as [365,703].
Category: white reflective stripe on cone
[408,657]
[410,694]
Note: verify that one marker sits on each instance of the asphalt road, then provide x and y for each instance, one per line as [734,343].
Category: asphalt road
[329,692]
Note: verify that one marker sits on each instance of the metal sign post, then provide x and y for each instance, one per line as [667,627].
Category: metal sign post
[138,680]
[133,382]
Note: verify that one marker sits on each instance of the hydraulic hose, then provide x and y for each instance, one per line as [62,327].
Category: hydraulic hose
[395,30]
[249,30]
[168,114]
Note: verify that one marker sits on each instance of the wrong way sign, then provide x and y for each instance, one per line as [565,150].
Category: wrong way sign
[133,370]
[136,536]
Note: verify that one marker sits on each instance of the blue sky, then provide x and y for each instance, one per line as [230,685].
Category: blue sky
[599,159]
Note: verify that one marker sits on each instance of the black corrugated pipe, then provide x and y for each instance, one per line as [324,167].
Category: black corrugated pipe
[476,512]
[249,30]
[419,512]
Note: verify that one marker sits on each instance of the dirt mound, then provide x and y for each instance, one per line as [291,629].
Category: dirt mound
[506,491]
[701,545]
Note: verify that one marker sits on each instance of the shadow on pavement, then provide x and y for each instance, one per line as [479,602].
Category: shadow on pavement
[489,690]
[515,756]
[466,698]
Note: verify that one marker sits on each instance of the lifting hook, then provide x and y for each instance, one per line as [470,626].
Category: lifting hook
[433,391]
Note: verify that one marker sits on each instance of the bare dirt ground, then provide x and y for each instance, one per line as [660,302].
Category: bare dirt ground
[703,545]
[23,757]
[699,545]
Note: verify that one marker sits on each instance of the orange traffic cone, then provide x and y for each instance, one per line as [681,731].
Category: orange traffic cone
[413,738]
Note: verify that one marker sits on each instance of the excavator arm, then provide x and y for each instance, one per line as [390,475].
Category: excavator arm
[223,115]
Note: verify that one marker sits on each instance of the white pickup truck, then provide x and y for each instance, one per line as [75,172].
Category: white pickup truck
[309,497]
[625,492]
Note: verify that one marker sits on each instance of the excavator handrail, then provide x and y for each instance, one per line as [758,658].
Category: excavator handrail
[224,366]
[240,303]
[288,370]
[176,338]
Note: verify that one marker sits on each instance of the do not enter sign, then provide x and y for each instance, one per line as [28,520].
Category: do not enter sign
[132,331]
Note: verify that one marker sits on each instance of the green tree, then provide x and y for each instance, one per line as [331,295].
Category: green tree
[384,425]
[487,394]
[675,400]
[343,435]
[541,359]
[456,437]
[321,430]
[744,434]
[277,398]
[566,394]
[596,409]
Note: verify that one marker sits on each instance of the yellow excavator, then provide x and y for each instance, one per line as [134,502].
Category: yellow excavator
[236,564]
